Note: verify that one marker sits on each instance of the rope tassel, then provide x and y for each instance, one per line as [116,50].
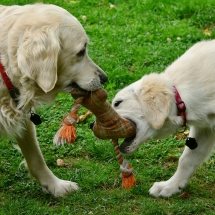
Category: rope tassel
[128,179]
[67,132]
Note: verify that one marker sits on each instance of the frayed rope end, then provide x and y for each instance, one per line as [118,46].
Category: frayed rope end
[66,134]
[128,179]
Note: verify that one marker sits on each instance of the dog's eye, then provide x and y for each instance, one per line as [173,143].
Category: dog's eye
[117,103]
[81,53]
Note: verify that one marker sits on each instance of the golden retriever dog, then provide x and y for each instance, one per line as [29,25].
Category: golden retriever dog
[43,50]
[159,104]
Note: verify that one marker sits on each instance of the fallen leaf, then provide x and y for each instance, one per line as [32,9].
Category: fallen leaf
[184,195]
[186,132]
[73,2]
[61,163]
[207,32]
[84,18]
[84,117]
[167,165]
[182,135]
[112,6]
[179,136]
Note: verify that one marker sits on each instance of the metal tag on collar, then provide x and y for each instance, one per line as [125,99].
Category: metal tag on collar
[35,118]
[191,143]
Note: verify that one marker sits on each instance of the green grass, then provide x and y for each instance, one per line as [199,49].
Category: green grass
[127,41]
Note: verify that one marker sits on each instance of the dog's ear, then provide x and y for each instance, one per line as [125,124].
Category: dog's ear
[155,104]
[37,56]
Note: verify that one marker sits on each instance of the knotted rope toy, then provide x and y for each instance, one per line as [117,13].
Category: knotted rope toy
[67,132]
[108,125]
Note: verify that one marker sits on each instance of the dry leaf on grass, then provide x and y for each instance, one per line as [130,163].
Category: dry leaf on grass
[112,6]
[182,135]
[207,32]
[184,195]
[61,163]
[84,117]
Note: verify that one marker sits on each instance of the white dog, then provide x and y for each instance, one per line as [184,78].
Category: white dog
[156,104]
[43,51]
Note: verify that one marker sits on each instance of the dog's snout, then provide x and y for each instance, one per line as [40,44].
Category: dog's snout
[103,78]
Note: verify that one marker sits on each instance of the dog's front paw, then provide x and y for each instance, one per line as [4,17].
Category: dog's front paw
[165,189]
[60,187]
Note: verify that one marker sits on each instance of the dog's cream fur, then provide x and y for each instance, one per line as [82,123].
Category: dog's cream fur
[44,50]
[150,104]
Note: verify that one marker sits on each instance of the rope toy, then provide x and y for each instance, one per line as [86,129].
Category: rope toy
[128,180]
[108,125]
[67,132]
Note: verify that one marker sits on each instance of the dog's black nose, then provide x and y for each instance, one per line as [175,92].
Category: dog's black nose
[91,125]
[103,78]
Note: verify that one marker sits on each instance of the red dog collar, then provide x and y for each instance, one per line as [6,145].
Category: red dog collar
[180,106]
[14,92]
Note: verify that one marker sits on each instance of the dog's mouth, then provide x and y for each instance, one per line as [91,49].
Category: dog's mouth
[127,141]
[77,87]
[102,77]
[76,91]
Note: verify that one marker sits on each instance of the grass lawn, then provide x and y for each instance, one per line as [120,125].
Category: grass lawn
[128,38]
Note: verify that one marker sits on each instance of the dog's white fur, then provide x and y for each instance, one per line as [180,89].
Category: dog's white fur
[150,104]
[44,50]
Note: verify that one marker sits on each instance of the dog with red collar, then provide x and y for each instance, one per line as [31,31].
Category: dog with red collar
[159,104]
[43,51]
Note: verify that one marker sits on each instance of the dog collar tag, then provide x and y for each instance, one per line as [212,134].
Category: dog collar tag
[191,143]
[35,118]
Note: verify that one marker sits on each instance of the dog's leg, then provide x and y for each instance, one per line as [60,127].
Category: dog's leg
[188,162]
[37,166]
